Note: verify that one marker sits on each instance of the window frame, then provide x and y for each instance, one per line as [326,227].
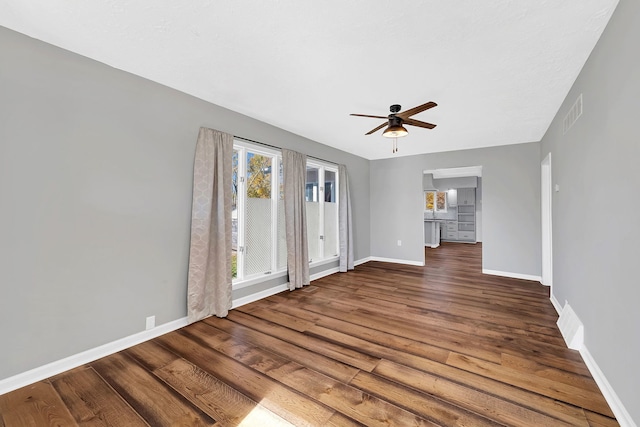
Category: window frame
[435,201]
[322,168]
[242,147]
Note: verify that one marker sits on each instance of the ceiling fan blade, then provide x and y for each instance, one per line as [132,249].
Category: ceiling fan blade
[414,122]
[366,115]
[376,129]
[415,110]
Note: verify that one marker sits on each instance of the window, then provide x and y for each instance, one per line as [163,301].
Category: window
[435,201]
[258,243]
[321,194]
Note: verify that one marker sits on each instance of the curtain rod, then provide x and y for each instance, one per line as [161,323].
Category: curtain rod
[279,148]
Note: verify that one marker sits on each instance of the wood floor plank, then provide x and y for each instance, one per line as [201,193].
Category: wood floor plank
[333,393]
[597,420]
[319,362]
[436,410]
[279,399]
[556,390]
[221,401]
[532,367]
[522,397]
[151,355]
[156,402]
[346,355]
[35,405]
[491,406]
[340,420]
[92,402]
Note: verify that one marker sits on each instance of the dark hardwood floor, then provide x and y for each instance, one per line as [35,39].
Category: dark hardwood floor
[384,345]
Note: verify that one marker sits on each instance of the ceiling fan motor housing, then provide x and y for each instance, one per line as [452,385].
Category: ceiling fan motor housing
[395,120]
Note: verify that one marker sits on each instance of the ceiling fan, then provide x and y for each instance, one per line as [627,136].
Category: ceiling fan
[396,120]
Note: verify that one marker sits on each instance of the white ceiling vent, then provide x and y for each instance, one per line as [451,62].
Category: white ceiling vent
[574,112]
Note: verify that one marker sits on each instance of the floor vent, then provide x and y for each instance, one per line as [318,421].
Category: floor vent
[572,116]
[571,328]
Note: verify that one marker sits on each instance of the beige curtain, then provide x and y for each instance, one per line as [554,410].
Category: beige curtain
[294,166]
[209,283]
[345,229]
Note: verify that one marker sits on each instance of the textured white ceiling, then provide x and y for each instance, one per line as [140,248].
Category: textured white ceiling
[498,69]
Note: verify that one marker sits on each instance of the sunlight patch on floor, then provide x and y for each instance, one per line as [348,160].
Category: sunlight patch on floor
[260,416]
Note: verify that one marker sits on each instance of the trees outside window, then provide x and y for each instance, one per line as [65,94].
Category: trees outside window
[435,201]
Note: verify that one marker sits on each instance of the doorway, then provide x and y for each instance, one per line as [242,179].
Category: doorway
[452,208]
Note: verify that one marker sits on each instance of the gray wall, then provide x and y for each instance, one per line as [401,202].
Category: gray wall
[595,215]
[95,191]
[510,199]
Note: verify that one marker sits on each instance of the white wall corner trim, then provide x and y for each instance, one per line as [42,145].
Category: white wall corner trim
[79,359]
[512,275]
[556,304]
[618,409]
[397,261]
[571,328]
[259,295]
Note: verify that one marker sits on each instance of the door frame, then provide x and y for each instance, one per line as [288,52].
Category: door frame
[547,220]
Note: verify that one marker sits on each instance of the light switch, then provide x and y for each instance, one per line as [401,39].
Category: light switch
[557,188]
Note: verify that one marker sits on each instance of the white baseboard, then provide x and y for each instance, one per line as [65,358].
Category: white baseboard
[618,409]
[259,295]
[512,275]
[79,359]
[324,273]
[556,304]
[397,261]
[572,331]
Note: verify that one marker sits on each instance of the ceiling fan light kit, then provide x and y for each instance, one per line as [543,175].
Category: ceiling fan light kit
[395,132]
[395,128]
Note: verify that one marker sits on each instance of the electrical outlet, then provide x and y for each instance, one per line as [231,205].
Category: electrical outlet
[399,242]
[151,322]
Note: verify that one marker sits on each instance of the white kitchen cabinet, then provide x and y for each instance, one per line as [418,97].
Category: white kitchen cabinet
[467,236]
[452,198]
[450,231]
[451,235]
[466,223]
[466,196]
